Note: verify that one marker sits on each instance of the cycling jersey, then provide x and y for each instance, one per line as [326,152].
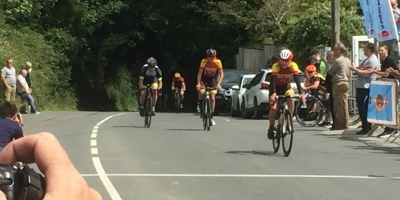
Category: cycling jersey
[283,75]
[210,68]
[178,82]
[321,79]
[280,77]
[150,77]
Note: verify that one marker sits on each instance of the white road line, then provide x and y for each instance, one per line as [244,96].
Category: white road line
[246,176]
[94,151]
[97,163]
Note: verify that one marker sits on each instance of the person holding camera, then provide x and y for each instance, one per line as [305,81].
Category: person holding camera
[10,124]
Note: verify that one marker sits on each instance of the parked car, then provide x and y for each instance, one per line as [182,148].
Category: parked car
[256,97]
[238,91]
[223,97]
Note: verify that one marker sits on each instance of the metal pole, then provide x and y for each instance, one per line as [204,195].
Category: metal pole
[335,30]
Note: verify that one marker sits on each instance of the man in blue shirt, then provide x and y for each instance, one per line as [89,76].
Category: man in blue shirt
[9,129]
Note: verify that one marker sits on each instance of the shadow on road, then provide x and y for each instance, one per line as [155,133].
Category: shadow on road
[254,152]
[183,129]
[128,126]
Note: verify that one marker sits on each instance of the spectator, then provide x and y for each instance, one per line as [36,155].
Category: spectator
[9,127]
[364,77]
[318,62]
[28,68]
[387,65]
[340,86]
[9,80]
[330,115]
[24,91]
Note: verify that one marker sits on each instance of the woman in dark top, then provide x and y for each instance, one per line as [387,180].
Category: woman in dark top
[10,128]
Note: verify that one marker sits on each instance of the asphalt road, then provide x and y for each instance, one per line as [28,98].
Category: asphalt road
[176,160]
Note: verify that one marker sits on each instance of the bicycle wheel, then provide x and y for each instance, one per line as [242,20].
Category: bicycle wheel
[208,114]
[148,112]
[353,111]
[287,133]
[177,103]
[276,141]
[305,117]
[205,121]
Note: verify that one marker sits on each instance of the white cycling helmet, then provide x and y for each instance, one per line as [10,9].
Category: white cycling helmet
[286,54]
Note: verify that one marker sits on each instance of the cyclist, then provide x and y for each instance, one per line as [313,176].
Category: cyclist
[178,87]
[281,73]
[206,77]
[316,84]
[150,74]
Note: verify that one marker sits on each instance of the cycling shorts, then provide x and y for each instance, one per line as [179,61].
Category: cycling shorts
[153,85]
[283,90]
[207,81]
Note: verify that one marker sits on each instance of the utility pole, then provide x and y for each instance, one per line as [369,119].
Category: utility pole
[335,30]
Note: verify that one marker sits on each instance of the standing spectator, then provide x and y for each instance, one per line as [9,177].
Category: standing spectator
[330,58]
[387,63]
[25,92]
[340,86]
[9,128]
[318,62]
[9,80]
[364,77]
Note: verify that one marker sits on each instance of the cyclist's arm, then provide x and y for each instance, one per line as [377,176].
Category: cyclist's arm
[272,84]
[297,80]
[183,84]
[141,77]
[315,85]
[159,78]
[220,71]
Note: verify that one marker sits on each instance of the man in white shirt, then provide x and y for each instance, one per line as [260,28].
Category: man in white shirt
[24,91]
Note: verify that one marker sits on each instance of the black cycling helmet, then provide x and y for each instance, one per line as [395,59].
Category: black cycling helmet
[211,53]
[152,62]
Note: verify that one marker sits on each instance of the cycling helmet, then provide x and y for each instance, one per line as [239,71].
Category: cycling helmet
[286,55]
[211,53]
[152,62]
[177,75]
[311,68]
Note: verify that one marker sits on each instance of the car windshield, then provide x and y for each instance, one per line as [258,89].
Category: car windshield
[232,76]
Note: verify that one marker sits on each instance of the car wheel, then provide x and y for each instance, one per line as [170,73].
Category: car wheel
[258,114]
[233,112]
[245,114]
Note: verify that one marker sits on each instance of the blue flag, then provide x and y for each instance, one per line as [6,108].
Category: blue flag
[364,4]
[383,23]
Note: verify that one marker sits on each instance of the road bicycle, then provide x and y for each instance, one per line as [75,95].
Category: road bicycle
[284,129]
[206,115]
[148,107]
[307,118]
[177,103]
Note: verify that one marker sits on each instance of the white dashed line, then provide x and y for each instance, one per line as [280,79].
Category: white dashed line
[97,163]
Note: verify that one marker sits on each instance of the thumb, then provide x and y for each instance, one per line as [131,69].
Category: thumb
[2,196]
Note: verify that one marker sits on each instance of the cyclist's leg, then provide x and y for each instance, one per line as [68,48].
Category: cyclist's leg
[176,93]
[154,87]
[290,102]
[201,96]
[181,93]
[272,111]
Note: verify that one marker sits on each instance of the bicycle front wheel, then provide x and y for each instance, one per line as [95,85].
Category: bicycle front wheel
[208,115]
[204,113]
[287,133]
[148,112]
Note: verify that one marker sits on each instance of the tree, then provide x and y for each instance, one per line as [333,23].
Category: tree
[312,29]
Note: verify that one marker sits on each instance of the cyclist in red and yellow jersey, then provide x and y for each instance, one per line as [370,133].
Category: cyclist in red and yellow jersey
[281,73]
[178,87]
[206,77]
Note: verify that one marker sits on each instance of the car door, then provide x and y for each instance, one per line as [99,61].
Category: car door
[252,89]
[235,94]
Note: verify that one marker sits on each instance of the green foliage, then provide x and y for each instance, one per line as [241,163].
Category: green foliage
[310,30]
[50,83]
[122,91]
